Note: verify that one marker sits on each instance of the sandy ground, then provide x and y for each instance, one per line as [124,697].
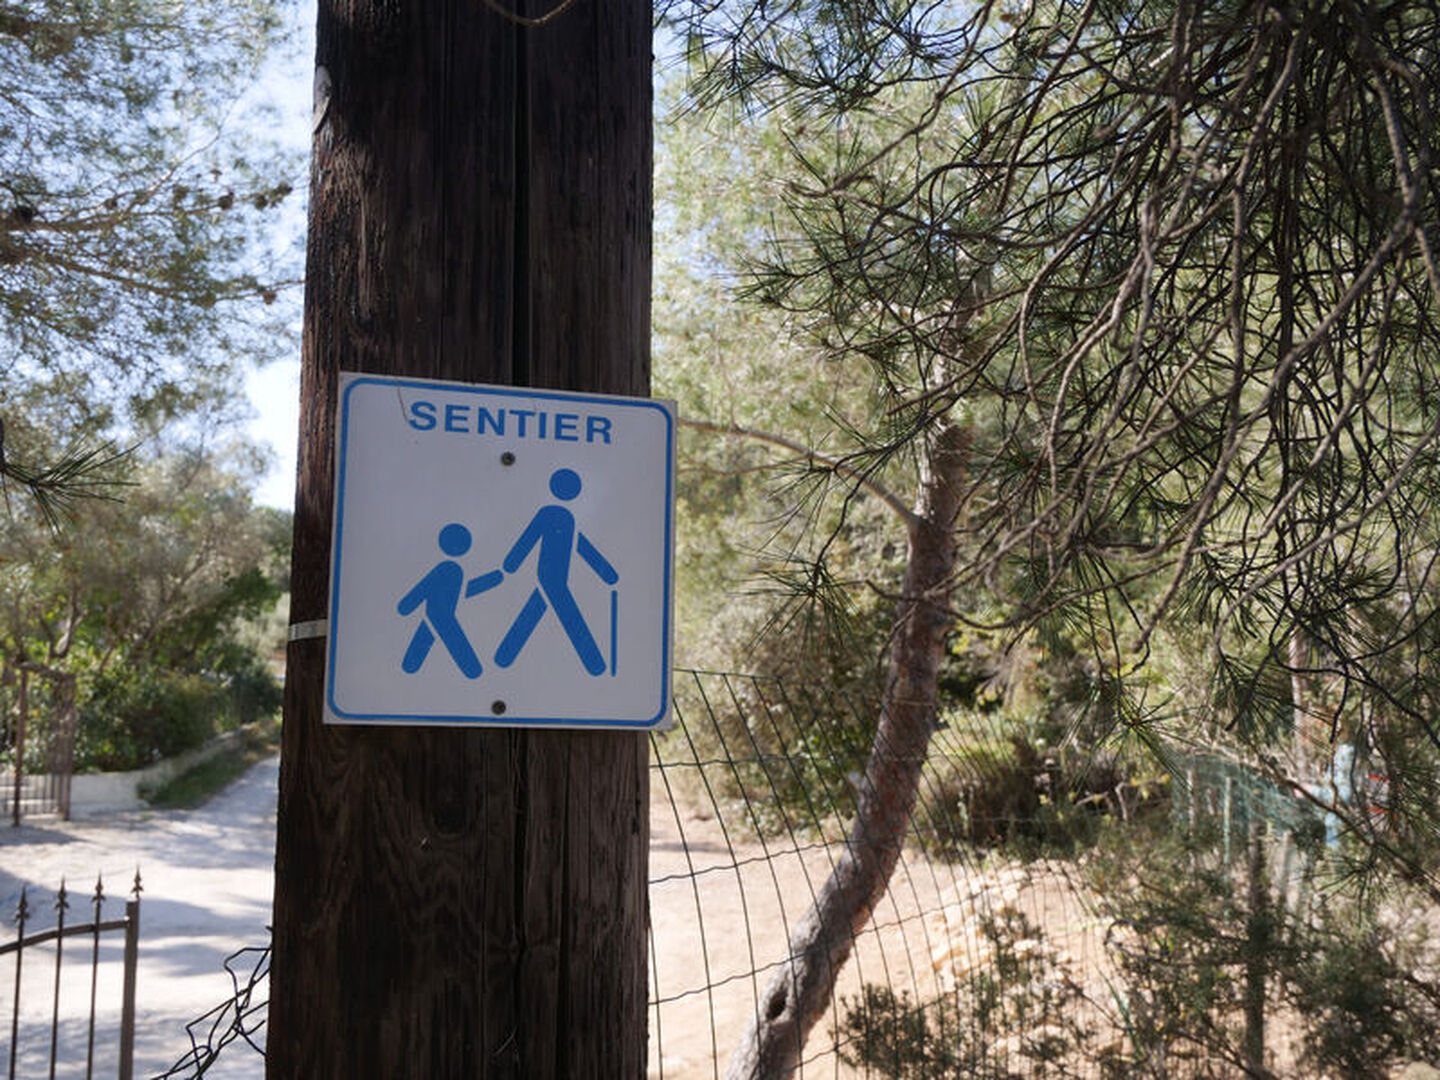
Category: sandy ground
[721,908]
[720,913]
[207,879]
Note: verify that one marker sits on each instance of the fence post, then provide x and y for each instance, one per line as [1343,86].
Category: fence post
[1190,797]
[22,914]
[62,905]
[65,733]
[97,901]
[132,958]
[20,745]
[1258,937]
[1225,816]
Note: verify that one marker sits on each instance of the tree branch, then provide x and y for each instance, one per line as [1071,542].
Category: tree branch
[815,457]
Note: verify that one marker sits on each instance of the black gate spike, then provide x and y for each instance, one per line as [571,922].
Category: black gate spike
[62,904]
[99,900]
[22,913]
[64,929]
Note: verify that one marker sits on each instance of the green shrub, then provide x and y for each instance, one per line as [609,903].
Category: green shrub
[782,758]
[1212,956]
[252,691]
[45,700]
[1369,988]
[1217,969]
[129,722]
[199,784]
[981,788]
[132,718]
[1020,1014]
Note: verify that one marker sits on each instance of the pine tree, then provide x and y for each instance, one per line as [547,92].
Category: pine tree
[1149,293]
[133,276]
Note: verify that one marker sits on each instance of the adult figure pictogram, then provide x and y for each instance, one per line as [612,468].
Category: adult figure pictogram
[439,591]
[553,531]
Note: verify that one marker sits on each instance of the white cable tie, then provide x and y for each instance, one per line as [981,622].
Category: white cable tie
[304,631]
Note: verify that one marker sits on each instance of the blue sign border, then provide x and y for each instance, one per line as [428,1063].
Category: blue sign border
[337,547]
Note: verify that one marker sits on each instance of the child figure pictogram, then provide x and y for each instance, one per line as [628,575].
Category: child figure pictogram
[439,591]
[553,530]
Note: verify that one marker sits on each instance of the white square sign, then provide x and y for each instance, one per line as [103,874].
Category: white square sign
[501,556]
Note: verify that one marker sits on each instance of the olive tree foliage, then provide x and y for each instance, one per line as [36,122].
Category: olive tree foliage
[1148,295]
[155,597]
[122,581]
[143,580]
[133,271]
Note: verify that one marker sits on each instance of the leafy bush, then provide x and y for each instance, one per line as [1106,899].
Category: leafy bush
[1213,958]
[252,690]
[982,788]
[197,785]
[1020,1014]
[1217,970]
[782,756]
[978,793]
[45,702]
[130,721]
[134,719]
[1370,990]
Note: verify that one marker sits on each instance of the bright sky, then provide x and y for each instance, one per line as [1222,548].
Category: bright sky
[275,394]
[274,390]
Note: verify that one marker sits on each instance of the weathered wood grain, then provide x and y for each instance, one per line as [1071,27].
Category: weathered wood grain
[455,903]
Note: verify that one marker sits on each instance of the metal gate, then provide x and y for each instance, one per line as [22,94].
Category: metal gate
[24,947]
[37,739]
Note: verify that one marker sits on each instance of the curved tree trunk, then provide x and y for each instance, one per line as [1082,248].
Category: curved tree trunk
[800,991]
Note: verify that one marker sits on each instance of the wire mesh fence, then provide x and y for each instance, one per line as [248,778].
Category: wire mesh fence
[240,1019]
[1058,911]
[753,792]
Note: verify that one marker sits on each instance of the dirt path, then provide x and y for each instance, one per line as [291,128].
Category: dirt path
[207,879]
[721,908]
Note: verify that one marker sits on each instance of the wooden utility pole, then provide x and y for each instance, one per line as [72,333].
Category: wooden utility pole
[449,902]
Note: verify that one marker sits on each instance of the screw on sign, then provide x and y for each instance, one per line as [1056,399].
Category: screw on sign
[491,593]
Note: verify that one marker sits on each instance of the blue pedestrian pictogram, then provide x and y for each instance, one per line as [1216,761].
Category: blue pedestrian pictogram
[553,530]
[439,591]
